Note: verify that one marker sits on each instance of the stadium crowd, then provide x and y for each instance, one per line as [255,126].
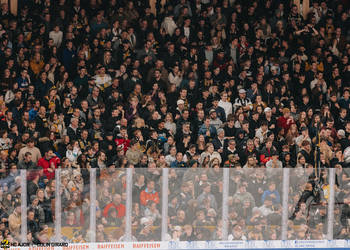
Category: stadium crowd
[192,85]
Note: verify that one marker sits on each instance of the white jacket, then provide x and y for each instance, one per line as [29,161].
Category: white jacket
[227,106]
[169,25]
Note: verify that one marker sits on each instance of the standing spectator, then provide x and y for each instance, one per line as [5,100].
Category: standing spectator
[56,35]
[225,104]
[69,56]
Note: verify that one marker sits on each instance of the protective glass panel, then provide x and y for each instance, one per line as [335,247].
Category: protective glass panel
[308,204]
[341,222]
[195,198]
[147,204]
[195,204]
[75,204]
[110,204]
[10,210]
[40,206]
[255,198]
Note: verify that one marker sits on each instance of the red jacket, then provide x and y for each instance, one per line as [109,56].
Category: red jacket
[45,164]
[120,210]
[282,123]
[124,143]
[146,196]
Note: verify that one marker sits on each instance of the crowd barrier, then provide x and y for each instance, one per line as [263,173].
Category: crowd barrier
[179,208]
[203,245]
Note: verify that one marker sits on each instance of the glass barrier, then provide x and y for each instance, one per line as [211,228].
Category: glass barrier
[40,205]
[147,204]
[195,204]
[110,204]
[255,204]
[308,204]
[10,210]
[341,220]
[79,205]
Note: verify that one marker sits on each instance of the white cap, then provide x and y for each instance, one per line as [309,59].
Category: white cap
[242,91]
[341,132]
[267,109]
[180,101]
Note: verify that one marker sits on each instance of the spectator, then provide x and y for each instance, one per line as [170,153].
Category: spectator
[237,234]
[274,162]
[207,129]
[285,121]
[27,162]
[116,204]
[49,163]
[243,101]
[133,154]
[149,194]
[14,220]
[242,195]
[272,193]
[36,155]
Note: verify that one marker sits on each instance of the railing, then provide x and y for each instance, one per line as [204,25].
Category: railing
[183,204]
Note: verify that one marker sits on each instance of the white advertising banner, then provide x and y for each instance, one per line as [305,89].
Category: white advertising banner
[165,245]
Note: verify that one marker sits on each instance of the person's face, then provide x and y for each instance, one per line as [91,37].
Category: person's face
[150,185]
[210,148]
[179,157]
[103,157]
[117,199]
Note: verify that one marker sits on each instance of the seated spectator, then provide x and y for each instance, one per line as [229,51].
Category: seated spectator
[49,163]
[285,121]
[237,233]
[241,195]
[133,154]
[32,225]
[266,152]
[14,221]
[152,212]
[149,194]
[274,162]
[115,204]
[27,162]
[271,193]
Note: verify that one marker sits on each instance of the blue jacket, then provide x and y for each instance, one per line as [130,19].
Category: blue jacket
[267,193]
[203,129]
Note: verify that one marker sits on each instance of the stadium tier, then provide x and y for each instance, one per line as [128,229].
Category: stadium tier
[175,123]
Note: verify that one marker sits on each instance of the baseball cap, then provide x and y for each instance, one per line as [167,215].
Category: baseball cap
[242,91]
[179,102]
[267,109]
[341,132]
